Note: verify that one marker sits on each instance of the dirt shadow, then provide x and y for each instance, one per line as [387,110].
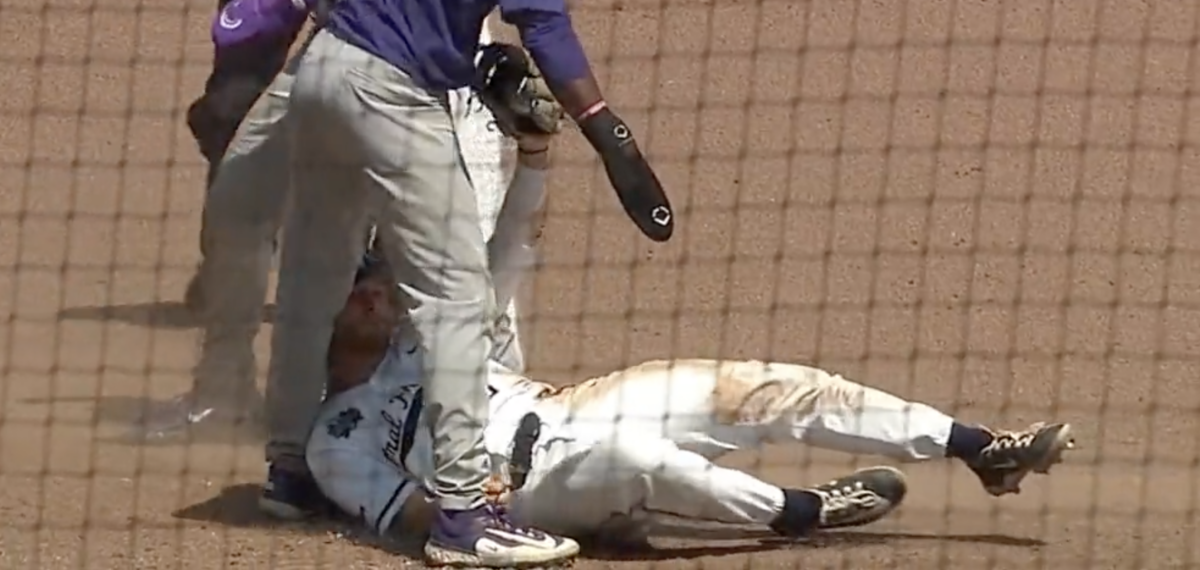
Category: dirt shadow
[237,506]
[161,315]
[703,532]
[664,553]
[744,540]
[128,414]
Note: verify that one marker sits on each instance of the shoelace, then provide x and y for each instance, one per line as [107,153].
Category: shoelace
[500,518]
[854,495]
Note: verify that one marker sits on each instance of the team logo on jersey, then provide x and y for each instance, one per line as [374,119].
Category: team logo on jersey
[346,422]
[226,20]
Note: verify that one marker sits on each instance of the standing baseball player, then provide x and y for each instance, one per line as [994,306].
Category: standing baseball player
[374,141]
[235,122]
[243,212]
[599,460]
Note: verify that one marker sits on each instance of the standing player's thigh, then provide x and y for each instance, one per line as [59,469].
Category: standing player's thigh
[402,138]
[428,218]
[265,119]
[252,180]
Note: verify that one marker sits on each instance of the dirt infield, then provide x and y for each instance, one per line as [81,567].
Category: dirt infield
[988,206]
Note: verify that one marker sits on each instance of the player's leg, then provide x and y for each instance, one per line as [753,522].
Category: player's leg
[321,245]
[718,406]
[619,484]
[243,207]
[823,409]
[242,215]
[401,141]
[482,147]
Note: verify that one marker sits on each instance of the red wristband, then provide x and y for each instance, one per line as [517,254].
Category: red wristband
[592,110]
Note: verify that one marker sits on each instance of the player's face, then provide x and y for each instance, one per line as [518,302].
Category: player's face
[370,315]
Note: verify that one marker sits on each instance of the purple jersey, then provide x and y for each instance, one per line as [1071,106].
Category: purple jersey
[435,41]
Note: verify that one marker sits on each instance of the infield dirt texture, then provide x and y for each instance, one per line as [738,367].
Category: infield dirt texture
[990,206]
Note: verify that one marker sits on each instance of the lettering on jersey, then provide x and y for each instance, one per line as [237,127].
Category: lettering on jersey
[402,431]
[346,422]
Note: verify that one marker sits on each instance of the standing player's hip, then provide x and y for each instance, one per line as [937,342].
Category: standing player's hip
[343,81]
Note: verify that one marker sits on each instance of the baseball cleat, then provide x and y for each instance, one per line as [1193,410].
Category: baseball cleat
[486,538]
[1004,463]
[860,498]
[187,417]
[290,496]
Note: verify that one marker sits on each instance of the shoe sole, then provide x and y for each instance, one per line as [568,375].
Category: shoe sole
[1063,441]
[438,557]
[876,514]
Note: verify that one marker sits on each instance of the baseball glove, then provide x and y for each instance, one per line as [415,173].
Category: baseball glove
[510,85]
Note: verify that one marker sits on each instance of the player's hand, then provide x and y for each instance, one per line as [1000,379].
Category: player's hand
[512,88]
[631,176]
[497,490]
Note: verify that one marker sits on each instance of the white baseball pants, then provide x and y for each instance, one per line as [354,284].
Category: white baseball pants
[641,441]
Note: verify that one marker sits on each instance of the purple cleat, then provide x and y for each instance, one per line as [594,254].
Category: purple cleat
[485,538]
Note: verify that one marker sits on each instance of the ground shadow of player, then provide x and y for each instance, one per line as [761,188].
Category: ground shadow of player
[160,315]
[147,421]
[657,552]
[237,507]
[831,538]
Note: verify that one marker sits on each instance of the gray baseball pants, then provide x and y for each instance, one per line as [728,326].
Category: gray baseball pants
[370,145]
[243,211]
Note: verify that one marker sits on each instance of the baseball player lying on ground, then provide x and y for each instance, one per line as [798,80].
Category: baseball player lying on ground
[599,459]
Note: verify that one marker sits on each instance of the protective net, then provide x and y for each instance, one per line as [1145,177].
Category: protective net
[980,205]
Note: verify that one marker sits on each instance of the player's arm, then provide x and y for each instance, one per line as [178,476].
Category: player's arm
[546,31]
[550,38]
[243,21]
[363,485]
[511,251]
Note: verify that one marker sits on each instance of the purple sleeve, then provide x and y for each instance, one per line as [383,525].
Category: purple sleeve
[244,20]
[550,38]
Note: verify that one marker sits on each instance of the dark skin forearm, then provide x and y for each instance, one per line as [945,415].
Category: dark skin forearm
[578,96]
